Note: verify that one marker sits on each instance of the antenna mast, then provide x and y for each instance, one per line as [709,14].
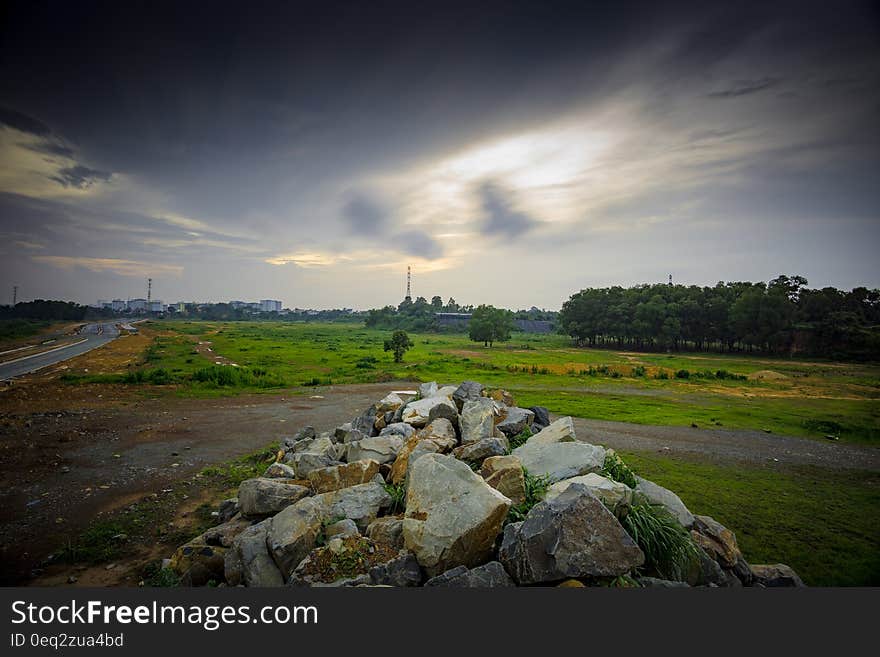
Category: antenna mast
[408,284]
[14,295]
[149,289]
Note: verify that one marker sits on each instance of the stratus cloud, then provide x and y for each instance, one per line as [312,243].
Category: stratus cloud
[113,265]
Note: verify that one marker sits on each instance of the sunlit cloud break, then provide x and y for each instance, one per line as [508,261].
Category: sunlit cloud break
[113,265]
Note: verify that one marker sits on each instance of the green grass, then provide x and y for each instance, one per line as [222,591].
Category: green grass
[823,523]
[668,548]
[17,329]
[536,487]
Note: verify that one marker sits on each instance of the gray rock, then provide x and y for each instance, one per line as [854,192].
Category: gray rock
[249,561]
[382,449]
[573,535]
[559,461]
[427,389]
[481,450]
[467,391]
[705,571]
[401,429]
[452,516]
[353,436]
[515,421]
[666,498]
[306,433]
[361,503]
[657,583]
[390,402]
[561,431]
[488,575]
[446,411]
[262,497]
[612,493]
[366,422]
[777,574]
[477,420]
[280,471]
[403,570]
[342,529]
[324,480]
[418,413]
[342,431]
[293,532]
[304,462]
[228,508]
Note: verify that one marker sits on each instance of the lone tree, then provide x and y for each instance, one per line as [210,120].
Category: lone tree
[489,324]
[399,344]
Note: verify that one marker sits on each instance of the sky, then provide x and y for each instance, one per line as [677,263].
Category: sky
[511,153]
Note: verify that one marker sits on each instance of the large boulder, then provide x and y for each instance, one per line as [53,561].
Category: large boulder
[262,496]
[489,575]
[477,420]
[280,471]
[446,410]
[467,391]
[505,474]
[198,563]
[777,574]
[293,533]
[573,535]
[452,515]
[611,493]
[324,480]
[515,420]
[248,562]
[442,432]
[366,422]
[388,530]
[542,417]
[558,461]
[482,449]
[391,402]
[382,449]
[306,433]
[401,429]
[438,436]
[658,495]
[427,389]
[304,462]
[361,503]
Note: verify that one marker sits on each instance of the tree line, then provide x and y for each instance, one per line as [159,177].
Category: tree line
[782,316]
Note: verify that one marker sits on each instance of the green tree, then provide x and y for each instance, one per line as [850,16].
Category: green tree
[399,344]
[489,325]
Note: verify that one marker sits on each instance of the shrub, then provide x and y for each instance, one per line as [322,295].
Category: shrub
[520,438]
[669,550]
[398,497]
[682,374]
[615,469]
[536,487]
[638,370]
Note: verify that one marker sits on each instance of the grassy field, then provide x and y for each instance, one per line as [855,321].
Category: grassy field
[822,522]
[793,397]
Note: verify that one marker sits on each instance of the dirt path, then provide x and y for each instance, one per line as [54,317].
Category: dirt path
[59,469]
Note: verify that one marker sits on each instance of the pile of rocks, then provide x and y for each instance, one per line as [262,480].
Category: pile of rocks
[417,491]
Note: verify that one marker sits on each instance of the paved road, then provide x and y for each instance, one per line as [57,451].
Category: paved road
[91,336]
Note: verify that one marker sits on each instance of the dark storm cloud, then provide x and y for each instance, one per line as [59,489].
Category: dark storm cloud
[80,176]
[50,148]
[418,243]
[365,215]
[744,88]
[23,122]
[501,219]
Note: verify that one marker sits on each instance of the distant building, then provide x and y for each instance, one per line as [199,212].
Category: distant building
[137,305]
[155,306]
[270,306]
[118,305]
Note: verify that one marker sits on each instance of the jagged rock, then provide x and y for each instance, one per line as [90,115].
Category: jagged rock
[411,451]
[777,574]
[467,391]
[612,493]
[342,431]
[482,449]
[515,420]
[306,433]
[559,461]
[446,391]
[743,572]
[280,471]
[452,515]
[477,420]
[353,436]
[705,571]
[573,535]
[361,503]
[335,477]
[342,528]
[403,570]
[293,531]
[718,541]
[365,423]
[657,583]
[228,508]
[561,431]
[390,402]
[488,575]
[304,462]
[380,423]
[197,563]
[427,390]
[387,530]
[265,497]
[223,535]
[445,410]
[542,417]
[502,397]
[417,413]
[248,562]
[401,429]
[382,449]
[442,432]
[505,474]
[666,498]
